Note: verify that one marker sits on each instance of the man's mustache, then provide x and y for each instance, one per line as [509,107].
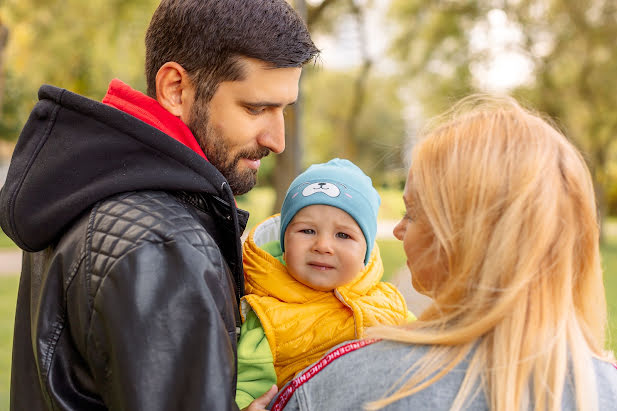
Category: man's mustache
[256,154]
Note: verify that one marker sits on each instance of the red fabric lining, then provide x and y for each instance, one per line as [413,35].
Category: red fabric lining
[297,382]
[124,98]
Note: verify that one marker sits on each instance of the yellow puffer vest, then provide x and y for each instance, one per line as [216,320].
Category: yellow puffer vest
[301,323]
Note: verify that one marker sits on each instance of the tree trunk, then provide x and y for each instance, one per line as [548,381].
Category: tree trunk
[359,90]
[289,163]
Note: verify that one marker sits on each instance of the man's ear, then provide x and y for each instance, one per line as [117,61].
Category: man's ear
[174,90]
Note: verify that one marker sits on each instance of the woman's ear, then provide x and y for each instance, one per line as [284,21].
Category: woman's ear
[174,91]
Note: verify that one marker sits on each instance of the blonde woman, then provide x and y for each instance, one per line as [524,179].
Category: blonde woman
[501,231]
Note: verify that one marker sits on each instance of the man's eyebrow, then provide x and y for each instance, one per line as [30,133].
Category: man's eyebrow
[266,104]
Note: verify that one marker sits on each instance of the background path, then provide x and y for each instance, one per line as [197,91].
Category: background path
[10,261]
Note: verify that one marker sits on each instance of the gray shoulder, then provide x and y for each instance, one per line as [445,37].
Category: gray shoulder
[606,383]
[340,379]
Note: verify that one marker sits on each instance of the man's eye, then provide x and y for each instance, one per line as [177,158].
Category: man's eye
[254,110]
[343,235]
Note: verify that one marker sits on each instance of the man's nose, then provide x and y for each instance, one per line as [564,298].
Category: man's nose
[274,137]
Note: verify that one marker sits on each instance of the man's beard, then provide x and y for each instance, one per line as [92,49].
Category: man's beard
[219,152]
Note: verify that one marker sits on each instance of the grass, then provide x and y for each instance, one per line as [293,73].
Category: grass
[8,297]
[5,241]
[392,256]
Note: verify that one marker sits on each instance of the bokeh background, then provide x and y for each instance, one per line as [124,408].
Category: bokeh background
[386,67]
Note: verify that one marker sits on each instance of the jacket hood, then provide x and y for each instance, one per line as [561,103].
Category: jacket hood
[74,151]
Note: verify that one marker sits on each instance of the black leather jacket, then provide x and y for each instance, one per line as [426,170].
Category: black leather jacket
[132,267]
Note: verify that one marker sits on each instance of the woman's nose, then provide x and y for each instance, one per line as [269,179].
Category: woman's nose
[399,229]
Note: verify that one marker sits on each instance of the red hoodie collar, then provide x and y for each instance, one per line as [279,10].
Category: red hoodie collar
[148,110]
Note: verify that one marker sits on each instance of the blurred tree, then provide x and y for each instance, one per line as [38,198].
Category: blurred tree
[73,44]
[322,18]
[380,127]
[288,163]
[569,45]
[82,45]
[4,38]
[575,76]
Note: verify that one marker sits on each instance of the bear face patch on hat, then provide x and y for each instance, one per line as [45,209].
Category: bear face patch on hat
[328,189]
[337,183]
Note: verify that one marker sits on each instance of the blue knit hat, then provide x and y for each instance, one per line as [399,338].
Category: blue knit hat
[338,183]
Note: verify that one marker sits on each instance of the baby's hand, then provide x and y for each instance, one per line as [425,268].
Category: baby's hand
[259,404]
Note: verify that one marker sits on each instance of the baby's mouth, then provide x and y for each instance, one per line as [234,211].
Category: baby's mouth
[320,266]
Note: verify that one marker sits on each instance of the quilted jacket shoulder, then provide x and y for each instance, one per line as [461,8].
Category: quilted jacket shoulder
[125,221]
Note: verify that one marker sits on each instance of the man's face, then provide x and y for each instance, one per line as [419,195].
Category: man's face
[244,121]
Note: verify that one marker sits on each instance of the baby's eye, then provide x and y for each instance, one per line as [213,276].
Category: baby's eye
[307,231]
[343,235]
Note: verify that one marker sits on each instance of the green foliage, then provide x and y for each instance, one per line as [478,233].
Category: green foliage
[377,144]
[433,48]
[74,44]
[17,104]
[570,46]
[575,78]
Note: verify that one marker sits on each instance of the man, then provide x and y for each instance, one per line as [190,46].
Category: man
[132,267]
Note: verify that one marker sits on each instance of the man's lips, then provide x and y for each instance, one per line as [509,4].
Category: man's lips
[252,163]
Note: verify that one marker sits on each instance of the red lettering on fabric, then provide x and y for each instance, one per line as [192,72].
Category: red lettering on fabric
[297,382]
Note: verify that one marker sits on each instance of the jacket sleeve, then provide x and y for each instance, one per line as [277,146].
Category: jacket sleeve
[157,338]
[255,363]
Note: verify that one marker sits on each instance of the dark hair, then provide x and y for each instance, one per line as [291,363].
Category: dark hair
[208,37]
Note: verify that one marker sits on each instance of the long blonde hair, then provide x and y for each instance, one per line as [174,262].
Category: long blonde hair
[511,207]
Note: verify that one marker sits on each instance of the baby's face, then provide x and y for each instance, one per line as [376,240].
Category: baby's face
[324,247]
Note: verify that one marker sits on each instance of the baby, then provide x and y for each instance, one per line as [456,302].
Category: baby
[312,277]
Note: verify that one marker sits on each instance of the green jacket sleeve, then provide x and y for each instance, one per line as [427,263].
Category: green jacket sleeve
[255,363]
